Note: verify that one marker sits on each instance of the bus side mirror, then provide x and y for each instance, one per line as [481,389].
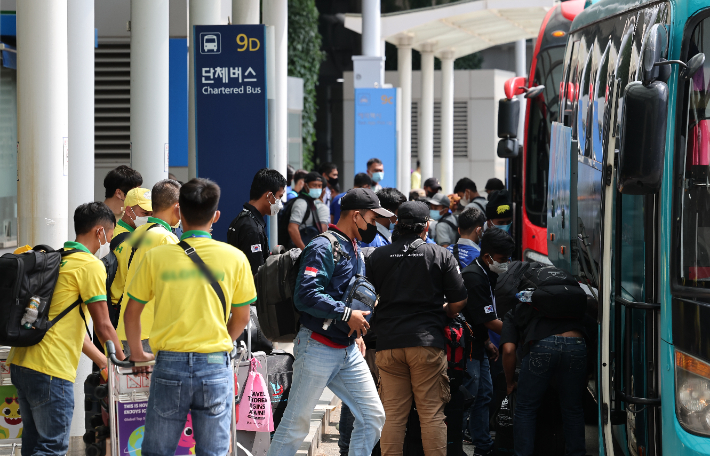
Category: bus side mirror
[508,148]
[643,138]
[508,118]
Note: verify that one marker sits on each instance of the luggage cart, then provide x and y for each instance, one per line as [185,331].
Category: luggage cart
[128,395]
[10,442]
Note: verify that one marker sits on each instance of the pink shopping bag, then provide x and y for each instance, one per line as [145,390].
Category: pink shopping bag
[255,406]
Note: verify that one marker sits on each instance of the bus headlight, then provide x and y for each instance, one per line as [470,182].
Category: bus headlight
[692,382]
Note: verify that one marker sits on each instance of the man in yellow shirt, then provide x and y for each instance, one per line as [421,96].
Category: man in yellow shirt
[192,332]
[166,213]
[44,373]
[138,208]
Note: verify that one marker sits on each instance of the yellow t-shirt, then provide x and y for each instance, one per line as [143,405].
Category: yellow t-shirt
[82,275]
[160,235]
[188,313]
[119,280]
[122,227]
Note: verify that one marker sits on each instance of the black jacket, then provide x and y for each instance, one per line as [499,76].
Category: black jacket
[247,232]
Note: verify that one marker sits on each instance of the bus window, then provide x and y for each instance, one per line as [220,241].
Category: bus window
[585,88]
[543,111]
[695,234]
[567,87]
[601,92]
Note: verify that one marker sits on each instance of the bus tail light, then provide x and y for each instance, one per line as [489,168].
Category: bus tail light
[692,382]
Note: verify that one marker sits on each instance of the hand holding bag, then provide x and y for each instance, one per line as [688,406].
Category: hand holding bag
[255,414]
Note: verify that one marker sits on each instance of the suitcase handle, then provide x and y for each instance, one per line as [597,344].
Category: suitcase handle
[111,353]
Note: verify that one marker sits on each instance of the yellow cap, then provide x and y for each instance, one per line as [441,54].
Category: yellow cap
[139,197]
[23,249]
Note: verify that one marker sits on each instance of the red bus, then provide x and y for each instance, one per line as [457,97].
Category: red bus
[529,194]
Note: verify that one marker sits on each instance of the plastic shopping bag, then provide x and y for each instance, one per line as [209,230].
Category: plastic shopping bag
[255,412]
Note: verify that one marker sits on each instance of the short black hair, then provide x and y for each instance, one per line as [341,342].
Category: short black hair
[494,184]
[165,193]
[299,174]
[497,242]
[122,178]
[313,176]
[373,161]
[391,198]
[401,229]
[289,173]
[198,200]
[327,168]
[89,215]
[362,179]
[413,195]
[465,184]
[266,180]
[470,219]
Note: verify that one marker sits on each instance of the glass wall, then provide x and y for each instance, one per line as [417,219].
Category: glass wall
[8,157]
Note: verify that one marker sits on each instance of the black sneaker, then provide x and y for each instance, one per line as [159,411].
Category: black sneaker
[488,452]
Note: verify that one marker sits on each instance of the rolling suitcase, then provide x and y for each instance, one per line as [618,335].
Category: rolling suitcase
[280,375]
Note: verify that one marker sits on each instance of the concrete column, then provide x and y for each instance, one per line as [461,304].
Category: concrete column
[426,113]
[80,39]
[371,45]
[150,80]
[245,11]
[42,125]
[200,12]
[447,121]
[521,69]
[404,68]
[275,13]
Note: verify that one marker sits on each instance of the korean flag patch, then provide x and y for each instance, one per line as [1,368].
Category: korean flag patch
[256,248]
[488,309]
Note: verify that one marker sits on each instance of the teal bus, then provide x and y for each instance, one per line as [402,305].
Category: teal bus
[628,212]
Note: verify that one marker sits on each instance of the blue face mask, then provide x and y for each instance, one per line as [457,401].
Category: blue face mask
[434,214]
[315,192]
[392,225]
[378,176]
[505,228]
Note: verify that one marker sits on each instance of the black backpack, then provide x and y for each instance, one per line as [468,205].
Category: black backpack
[275,284]
[307,233]
[22,276]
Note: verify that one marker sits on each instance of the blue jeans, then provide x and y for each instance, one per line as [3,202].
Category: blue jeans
[564,361]
[345,372]
[200,383]
[480,386]
[46,406]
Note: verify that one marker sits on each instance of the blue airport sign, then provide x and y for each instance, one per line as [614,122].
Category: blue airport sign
[230,112]
[376,131]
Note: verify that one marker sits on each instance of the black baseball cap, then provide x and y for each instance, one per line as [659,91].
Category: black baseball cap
[363,198]
[432,183]
[413,212]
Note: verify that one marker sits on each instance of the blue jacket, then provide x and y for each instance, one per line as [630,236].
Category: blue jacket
[321,284]
[467,253]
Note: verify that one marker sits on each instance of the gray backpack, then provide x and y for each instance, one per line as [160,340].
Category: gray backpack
[275,284]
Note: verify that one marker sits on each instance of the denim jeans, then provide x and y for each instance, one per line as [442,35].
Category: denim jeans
[46,406]
[479,385]
[345,372]
[558,359]
[200,383]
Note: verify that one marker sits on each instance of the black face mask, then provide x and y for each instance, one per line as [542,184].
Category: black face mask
[367,235]
[333,182]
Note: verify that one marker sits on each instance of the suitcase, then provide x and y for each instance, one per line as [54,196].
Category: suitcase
[280,377]
[11,421]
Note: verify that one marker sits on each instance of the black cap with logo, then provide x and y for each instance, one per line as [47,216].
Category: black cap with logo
[413,212]
[363,198]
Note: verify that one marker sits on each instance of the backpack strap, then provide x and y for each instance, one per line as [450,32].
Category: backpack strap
[480,206]
[192,254]
[338,251]
[136,245]
[118,239]
[311,205]
[76,303]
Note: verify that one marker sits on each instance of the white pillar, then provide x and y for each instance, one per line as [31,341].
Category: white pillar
[521,70]
[404,68]
[371,45]
[150,79]
[80,39]
[426,113]
[201,12]
[447,121]
[245,11]
[42,125]
[275,13]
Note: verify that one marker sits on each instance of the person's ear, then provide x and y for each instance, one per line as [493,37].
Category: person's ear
[217,214]
[119,194]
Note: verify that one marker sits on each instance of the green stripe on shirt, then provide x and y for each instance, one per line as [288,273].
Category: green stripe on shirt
[136,299]
[95,299]
[244,303]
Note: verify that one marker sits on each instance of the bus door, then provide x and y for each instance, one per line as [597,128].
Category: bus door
[634,310]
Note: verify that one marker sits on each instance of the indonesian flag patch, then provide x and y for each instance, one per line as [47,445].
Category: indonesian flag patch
[310,271]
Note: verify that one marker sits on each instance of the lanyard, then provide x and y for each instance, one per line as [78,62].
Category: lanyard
[493,298]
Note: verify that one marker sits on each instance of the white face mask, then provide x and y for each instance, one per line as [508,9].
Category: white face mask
[104,249]
[138,221]
[499,268]
[276,206]
[465,201]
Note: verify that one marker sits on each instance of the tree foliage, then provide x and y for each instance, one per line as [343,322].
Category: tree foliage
[304,59]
